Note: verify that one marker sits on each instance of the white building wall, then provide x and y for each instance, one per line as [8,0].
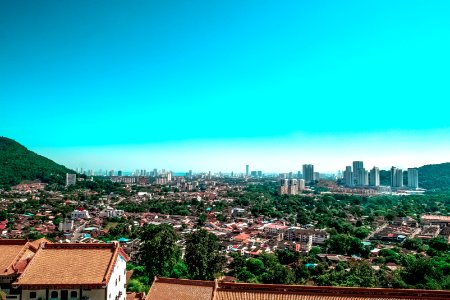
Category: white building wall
[117,284]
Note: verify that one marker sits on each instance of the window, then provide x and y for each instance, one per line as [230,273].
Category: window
[54,294]
[119,278]
[116,282]
[32,295]
[73,294]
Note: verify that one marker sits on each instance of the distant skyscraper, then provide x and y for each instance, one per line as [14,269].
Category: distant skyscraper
[71,179]
[359,174]
[247,170]
[288,187]
[357,165]
[316,175]
[301,184]
[413,178]
[119,173]
[111,173]
[348,176]
[396,177]
[361,177]
[308,173]
[374,177]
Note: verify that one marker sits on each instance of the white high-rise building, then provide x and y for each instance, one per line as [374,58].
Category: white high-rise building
[374,177]
[413,178]
[301,184]
[396,177]
[71,179]
[361,177]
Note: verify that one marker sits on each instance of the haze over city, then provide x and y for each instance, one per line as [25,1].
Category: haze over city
[215,86]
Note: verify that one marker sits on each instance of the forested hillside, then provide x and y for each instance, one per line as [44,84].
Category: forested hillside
[17,163]
[431,177]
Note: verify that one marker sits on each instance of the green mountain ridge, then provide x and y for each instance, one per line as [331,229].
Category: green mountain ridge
[17,164]
[435,178]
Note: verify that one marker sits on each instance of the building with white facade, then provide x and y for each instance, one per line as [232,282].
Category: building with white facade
[396,177]
[413,178]
[71,179]
[75,271]
[374,178]
[80,213]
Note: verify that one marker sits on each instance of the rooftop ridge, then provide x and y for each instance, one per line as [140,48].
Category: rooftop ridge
[79,246]
[19,255]
[332,290]
[184,281]
[29,264]
[112,262]
[13,241]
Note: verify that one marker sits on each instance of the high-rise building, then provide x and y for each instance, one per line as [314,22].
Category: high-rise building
[396,177]
[111,173]
[361,177]
[247,170]
[374,177]
[413,178]
[289,187]
[119,173]
[359,174]
[308,173]
[71,179]
[357,165]
[348,176]
[292,187]
[299,175]
[301,184]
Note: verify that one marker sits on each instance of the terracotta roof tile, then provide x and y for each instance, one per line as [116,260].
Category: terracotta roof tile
[11,252]
[70,264]
[165,289]
[180,289]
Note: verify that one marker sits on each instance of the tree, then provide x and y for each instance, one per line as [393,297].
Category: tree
[255,266]
[159,251]
[203,259]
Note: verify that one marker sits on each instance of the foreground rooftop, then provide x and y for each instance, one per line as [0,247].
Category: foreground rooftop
[181,289]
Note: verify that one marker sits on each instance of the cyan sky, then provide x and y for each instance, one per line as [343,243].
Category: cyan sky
[213,85]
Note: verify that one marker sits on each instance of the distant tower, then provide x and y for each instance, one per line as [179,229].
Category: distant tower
[413,178]
[247,170]
[301,184]
[71,179]
[308,173]
[119,173]
[374,177]
[348,176]
[396,177]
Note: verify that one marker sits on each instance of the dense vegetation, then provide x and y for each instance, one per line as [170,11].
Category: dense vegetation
[17,163]
[435,178]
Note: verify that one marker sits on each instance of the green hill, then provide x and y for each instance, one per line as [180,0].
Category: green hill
[431,177]
[17,163]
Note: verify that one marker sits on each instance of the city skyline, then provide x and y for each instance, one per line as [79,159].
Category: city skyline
[209,87]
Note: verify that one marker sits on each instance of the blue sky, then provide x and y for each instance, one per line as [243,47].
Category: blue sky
[209,85]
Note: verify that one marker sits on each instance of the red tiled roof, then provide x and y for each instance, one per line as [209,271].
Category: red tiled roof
[69,265]
[180,289]
[11,252]
[165,289]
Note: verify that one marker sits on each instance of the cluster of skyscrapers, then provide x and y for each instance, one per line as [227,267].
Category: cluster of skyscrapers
[358,176]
